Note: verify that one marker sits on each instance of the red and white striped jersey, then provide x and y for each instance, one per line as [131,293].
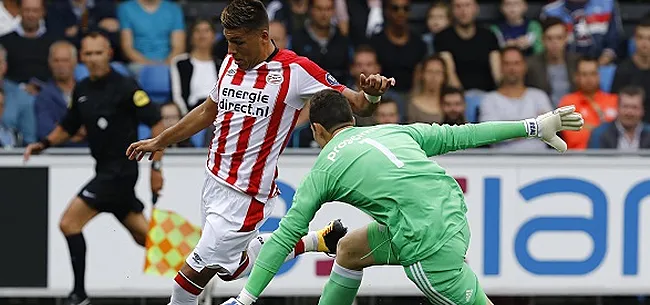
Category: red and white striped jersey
[257,111]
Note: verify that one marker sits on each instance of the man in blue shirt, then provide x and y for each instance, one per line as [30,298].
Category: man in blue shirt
[153,31]
[52,102]
[19,105]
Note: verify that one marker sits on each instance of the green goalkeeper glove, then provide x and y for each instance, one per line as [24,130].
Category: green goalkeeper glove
[547,125]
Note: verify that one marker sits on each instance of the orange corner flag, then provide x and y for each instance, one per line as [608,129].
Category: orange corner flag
[170,240]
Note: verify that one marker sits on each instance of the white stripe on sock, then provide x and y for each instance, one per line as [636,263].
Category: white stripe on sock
[348,273]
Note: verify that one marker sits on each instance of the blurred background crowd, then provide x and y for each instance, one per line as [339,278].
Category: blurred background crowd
[455,61]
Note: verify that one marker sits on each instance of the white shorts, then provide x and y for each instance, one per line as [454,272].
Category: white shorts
[231,219]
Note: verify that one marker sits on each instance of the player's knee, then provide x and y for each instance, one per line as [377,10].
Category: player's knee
[69,226]
[345,253]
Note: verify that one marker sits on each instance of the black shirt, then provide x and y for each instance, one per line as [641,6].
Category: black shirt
[399,61]
[627,73]
[471,57]
[110,108]
[27,57]
[334,57]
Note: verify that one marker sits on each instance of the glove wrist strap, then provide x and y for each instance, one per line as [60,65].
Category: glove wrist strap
[532,128]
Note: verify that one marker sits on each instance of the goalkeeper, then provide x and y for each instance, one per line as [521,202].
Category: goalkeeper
[419,210]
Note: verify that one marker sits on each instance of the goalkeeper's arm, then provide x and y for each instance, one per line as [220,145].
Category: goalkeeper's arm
[294,225]
[436,140]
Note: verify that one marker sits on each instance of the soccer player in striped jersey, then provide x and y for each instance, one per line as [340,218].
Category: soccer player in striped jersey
[419,209]
[254,106]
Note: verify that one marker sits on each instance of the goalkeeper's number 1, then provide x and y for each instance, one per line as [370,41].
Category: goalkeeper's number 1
[384,150]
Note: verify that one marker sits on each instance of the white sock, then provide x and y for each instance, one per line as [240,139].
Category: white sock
[180,295]
[308,243]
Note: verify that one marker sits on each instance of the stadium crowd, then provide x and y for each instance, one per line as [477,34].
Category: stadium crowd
[457,71]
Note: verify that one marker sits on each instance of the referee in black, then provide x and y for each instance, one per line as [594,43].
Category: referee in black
[110,106]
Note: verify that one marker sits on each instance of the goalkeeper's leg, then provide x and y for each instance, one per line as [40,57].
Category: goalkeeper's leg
[361,248]
[323,240]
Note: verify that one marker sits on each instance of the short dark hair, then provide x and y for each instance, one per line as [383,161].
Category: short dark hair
[330,109]
[632,90]
[245,14]
[584,59]
[512,49]
[364,48]
[447,90]
[550,22]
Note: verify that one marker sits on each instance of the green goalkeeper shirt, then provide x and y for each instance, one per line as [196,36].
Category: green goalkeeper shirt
[385,171]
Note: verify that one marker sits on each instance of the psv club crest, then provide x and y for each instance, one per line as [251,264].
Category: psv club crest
[274,79]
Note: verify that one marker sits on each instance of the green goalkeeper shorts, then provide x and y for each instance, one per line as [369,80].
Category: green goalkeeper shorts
[443,277]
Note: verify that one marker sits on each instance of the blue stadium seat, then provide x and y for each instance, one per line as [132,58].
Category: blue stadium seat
[607,77]
[144,132]
[156,82]
[198,140]
[472,102]
[81,72]
[120,68]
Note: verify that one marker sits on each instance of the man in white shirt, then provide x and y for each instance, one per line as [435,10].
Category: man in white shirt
[513,100]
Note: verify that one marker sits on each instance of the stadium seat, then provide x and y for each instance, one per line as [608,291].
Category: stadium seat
[81,72]
[631,46]
[155,81]
[607,77]
[144,132]
[199,138]
[120,68]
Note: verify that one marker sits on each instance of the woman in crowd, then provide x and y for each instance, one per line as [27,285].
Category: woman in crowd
[430,78]
[193,74]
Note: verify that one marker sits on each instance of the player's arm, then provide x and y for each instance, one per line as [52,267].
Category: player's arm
[436,140]
[294,225]
[196,120]
[312,79]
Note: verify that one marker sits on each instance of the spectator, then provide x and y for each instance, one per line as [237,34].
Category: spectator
[516,30]
[470,52]
[627,132]
[192,74]
[27,47]
[452,104]
[368,20]
[398,49]
[73,19]
[553,70]
[7,135]
[365,62]
[596,106]
[9,18]
[424,106]
[387,112]
[278,33]
[595,26]
[171,114]
[153,31]
[292,13]
[19,105]
[438,19]
[636,69]
[52,102]
[322,42]
[513,100]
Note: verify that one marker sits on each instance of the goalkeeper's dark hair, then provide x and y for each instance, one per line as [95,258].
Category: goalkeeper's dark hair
[245,14]
[330,109]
